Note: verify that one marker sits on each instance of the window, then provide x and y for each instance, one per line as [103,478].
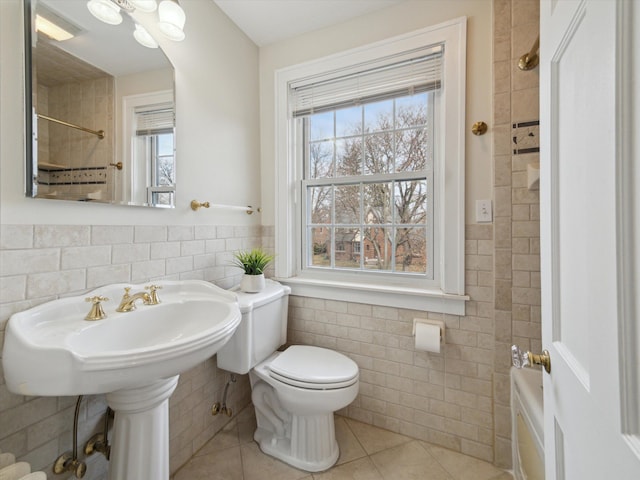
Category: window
[371,173]
[148,150]
[154,143]
[368,179]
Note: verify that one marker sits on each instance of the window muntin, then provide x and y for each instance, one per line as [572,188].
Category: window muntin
[368,183]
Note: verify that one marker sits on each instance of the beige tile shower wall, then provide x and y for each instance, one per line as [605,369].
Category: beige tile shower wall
[516,222]
[88,104]
[443,398]
[41,262]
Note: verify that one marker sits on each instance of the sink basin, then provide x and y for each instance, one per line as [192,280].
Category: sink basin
[135,358]
[50,350]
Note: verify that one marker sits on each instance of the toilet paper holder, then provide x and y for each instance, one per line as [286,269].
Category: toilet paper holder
[438,323]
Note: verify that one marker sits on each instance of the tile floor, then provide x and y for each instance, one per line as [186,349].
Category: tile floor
[366,453]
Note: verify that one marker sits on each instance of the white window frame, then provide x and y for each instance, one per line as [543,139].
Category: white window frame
[134,186]
[447,294]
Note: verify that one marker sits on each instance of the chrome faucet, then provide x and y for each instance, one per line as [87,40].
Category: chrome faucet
[128,302]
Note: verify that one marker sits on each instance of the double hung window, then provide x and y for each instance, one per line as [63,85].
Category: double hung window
[367,151]
[373,186]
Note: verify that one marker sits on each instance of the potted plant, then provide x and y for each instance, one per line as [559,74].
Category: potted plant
[253,263]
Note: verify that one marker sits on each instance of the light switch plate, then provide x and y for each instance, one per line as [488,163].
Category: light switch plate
[484,212]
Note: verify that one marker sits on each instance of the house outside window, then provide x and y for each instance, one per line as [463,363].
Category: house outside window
[371,184]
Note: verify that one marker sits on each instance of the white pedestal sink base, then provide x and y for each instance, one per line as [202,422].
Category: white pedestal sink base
[140,440]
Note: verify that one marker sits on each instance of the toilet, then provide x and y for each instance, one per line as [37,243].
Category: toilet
[295,392]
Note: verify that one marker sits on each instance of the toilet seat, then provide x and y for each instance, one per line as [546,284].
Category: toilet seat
[314,368]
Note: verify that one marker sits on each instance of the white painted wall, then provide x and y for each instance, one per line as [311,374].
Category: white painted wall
[217,128]
[405,17]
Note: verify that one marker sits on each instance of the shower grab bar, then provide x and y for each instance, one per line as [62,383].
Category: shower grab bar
[530,60]
[97,133]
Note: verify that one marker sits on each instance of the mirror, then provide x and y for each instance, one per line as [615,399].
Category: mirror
[100,110]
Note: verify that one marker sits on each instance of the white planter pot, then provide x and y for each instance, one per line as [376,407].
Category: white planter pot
[252,283]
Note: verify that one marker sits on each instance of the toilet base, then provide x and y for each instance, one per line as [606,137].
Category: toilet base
[310,442]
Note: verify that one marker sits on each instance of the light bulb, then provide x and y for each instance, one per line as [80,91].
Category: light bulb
[105,11]
[172,20]
[143,37]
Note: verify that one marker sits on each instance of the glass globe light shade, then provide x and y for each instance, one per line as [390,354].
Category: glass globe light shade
[143,37]
[105,11]
[172,20]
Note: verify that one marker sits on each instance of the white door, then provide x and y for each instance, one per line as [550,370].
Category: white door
[589,192]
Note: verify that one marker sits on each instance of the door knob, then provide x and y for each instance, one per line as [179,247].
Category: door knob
[521,359]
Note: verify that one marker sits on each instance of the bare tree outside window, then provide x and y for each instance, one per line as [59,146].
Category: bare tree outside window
[375,209]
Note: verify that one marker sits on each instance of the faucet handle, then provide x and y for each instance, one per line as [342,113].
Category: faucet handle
[96,312]
[126,292]
[97,298]
[153,294]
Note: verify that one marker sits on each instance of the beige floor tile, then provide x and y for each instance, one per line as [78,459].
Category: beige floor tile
[350,448]
[225,438]
[503,476]
[246,425]
[366,453]
[217,465]
[246,414]
[361,469]
[462,467]
[409,461]
[375,439]
[258,466]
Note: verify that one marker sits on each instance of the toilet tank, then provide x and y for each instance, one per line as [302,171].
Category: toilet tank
[262,330]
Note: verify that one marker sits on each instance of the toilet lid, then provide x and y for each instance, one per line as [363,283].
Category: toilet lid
[314,367]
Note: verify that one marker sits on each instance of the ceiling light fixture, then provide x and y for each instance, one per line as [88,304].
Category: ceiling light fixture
[172,20]
[53,25]
[171,17]
[57,29]
[146,6]
[143,37]
[105,11]
[51,30]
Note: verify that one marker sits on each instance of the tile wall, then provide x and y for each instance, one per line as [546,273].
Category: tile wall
[43,262]
[443,398]
[81,159]
[517,208]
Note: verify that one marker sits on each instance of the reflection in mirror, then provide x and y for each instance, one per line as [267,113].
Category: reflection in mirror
[102,110]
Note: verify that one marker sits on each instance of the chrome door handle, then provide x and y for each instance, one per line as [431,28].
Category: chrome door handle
[521,359]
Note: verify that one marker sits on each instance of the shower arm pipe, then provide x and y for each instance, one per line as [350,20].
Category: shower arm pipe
[530,60]
[195,205]
[97,133]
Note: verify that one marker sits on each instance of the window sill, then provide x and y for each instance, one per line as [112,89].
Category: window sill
[431,300]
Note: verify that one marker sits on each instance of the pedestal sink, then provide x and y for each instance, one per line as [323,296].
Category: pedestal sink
[135,358]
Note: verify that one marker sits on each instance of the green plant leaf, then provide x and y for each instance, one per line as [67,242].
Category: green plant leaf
[253,262]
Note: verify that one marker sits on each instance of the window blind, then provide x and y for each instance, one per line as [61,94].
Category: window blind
[154,120]
[412,72]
